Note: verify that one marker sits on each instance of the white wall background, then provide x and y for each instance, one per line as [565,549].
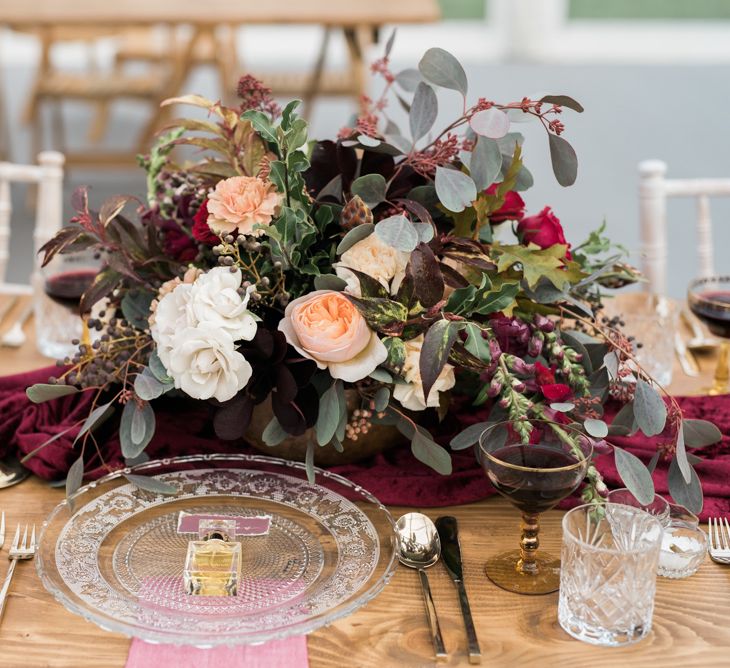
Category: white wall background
[646,109]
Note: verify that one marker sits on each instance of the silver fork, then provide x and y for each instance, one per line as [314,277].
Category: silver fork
[18,550]
[718,531]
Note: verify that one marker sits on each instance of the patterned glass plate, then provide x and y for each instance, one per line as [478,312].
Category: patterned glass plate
[117,560]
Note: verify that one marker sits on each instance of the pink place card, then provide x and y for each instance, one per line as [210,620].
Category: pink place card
[245,526]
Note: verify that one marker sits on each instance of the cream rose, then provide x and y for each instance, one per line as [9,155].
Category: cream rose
[239,203]
[326,327]
[375,258]
[410,393]
[172,314]
[206,364]
[214,299]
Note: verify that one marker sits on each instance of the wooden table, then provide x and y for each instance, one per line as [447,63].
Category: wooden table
[360,23]
[691,627]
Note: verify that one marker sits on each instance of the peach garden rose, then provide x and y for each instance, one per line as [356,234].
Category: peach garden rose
[326,327]
[239,203]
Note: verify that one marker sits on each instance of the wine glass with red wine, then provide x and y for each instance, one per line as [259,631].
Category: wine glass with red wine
[709,300]
[63,281]
[534,473]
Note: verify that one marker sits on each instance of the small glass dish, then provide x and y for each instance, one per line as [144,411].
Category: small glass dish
[684,545]
[659,507]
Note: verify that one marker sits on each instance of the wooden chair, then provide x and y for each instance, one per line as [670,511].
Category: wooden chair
[47,176]
[654,189]
[94,85]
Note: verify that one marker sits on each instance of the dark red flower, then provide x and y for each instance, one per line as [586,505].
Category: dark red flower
[201,231]
[544,230]
[177,244]
[512,209]
[545,379]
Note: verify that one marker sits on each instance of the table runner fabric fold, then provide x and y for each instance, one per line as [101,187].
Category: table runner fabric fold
[395,477]
[290,652]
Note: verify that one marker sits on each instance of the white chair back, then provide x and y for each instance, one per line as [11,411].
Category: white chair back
[47,176]
[654,189]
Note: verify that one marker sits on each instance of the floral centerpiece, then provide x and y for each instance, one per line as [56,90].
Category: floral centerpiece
[393,263]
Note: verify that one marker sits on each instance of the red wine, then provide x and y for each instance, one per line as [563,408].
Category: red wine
[66,288]
[717,318]
[534,491]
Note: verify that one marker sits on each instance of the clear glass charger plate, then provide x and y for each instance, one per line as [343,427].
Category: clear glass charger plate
[116,559]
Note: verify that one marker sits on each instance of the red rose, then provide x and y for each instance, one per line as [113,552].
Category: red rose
[512,209]
[545,379]
[544,230]
[201,231]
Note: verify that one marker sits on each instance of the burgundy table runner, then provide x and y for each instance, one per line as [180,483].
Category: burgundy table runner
[394,477]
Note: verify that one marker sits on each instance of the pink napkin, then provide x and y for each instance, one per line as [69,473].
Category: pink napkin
[290,652]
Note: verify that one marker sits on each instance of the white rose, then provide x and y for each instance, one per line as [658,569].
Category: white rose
[410,393]
[206,364]
[214,299]
[172,314]
[375,258]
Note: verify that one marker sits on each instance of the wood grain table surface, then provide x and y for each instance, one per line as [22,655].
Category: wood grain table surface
[213,12]
[691,619]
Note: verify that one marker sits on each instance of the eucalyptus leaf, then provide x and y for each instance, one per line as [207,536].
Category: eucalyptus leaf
[147,387]
[649,409]
[403,144]
[370,188]
[485,163]
[424,110]
[408,79]
[153,485]
[74,477]
[596,428]
[329,282]
[687,495]
[158,368]
[455,190]
[635,475]
[329,415]
[440,68]
[624,423]
[398,232]
[424,231]
[41,392]
[370,142]
[492,123]
[98,415]
[309,463]
[562,406]
[274,433]
[356,234]
[382,375]
[430,453]
[136,308]
[381,399]
[469,436]
[563,101]
[680,456]
[564,161]
[700,433]
[136,428]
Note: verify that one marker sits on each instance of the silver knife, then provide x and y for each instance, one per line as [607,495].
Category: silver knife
[448,530]
[686,360]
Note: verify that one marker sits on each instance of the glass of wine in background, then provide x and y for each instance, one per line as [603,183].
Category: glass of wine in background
[709,300]
[58,293]
[534,474]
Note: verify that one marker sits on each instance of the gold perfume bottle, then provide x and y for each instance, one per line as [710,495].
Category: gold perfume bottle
[213,563]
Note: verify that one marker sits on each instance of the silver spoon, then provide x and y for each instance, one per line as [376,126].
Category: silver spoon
[420,547]
[12,472]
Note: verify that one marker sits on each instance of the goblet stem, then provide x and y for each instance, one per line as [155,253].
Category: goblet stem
[722,373]
[529,542]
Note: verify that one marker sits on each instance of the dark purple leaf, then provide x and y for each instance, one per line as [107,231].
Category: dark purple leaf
[232,418]
[286,384]
[103,284]
[417,209]
[452,278]
[112,207]
[563,101]
[435,351]
[369,287]
[427,277]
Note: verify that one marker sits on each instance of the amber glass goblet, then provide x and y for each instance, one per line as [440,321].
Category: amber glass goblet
[709,300]
[534,464]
